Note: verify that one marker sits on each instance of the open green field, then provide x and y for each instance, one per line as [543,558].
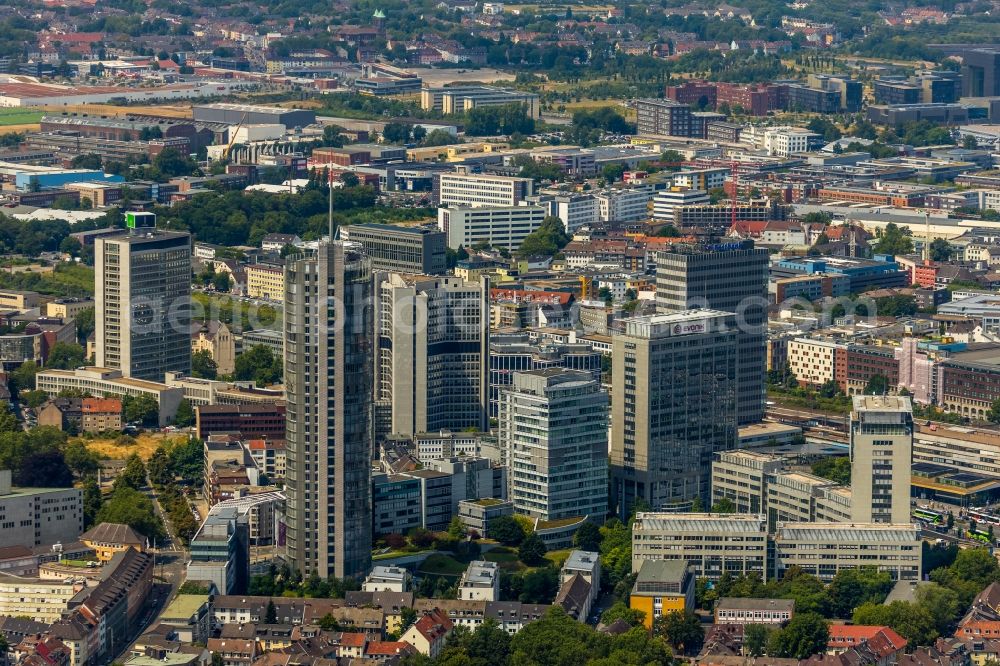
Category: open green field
[440,564]
[19,116]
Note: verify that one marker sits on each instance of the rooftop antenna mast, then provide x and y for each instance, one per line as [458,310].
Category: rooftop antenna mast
[329,219]
[927,238]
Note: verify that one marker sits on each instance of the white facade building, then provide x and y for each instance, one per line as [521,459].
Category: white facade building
[666,201]
[504,226]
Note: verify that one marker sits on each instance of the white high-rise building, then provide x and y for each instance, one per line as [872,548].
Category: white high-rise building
[554,439]
[881,458]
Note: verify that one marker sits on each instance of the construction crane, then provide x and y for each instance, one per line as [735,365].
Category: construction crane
[734,167]
[232,139]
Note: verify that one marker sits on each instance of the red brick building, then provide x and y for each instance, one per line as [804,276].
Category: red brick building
[259,421]
[698,93]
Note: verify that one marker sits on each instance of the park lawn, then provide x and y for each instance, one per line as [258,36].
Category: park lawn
[439,564]
[557,557]
[145,445]
[19,116]
[506,559]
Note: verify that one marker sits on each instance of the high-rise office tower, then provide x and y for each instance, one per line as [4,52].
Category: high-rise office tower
[881,457]
[142,304]
[432,351]
[328,389]
[673,406]
[553,430]
[731,277]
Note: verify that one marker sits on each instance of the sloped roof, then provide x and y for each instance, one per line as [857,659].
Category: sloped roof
[115,533]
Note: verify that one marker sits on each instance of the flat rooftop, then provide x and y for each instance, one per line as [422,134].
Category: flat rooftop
[882,403]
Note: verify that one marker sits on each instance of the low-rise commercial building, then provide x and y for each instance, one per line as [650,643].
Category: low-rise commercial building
[106,381]
[498,226]
[662,587]
[732,610]
[712,544]
[823,549]
[416,250]
[34,517]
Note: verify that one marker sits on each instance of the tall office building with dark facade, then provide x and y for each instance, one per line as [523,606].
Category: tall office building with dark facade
[731,277]
[328,386]
[663,116]
[142,310]
[673,407]
[980,72]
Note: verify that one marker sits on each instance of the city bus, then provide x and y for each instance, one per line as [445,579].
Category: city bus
[928,516]
[982,516]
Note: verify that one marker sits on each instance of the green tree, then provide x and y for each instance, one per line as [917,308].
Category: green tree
[33,399]
[81,460]
[942,604]
[456,528]
[546,240]
[682,629]
[588,537]
[852,587]
[755,639]
[203,365]
[171,163]
[258,364]
[439,137]
[143,409]
[836,469]
[92,502]
[133,508]
[993,413]
[877,385]
[724,505]
[8,422]
[222,281]
[894,240]
[271,614]
[184,418]
[23,378]
[621,611]
[532,550]
[84,321]
[134,473]
[911,621]
[505,529]
[941,250]
[43,468]
[805,634]
[66,356]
